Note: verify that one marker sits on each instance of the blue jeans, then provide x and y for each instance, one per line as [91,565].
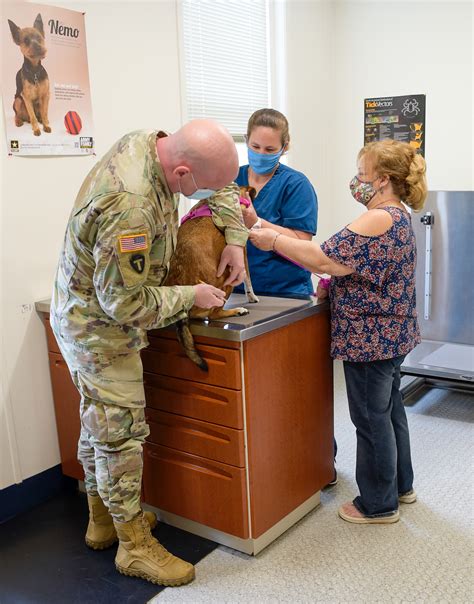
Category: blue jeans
[383,466]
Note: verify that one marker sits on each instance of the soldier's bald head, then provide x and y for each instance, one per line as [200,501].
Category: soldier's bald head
[207,149]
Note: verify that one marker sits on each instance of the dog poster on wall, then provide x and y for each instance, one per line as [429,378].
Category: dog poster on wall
[45,81]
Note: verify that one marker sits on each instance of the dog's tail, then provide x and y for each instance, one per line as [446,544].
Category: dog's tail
[185,338]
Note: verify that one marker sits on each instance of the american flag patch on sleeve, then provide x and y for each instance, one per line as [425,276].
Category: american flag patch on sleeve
[133,243]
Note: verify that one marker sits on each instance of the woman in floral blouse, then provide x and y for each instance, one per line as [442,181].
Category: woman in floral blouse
[373,318]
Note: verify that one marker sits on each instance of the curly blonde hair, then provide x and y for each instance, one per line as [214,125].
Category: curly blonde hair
[404,166]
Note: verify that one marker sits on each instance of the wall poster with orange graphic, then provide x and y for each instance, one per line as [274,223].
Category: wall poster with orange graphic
[401,118]
[45,81]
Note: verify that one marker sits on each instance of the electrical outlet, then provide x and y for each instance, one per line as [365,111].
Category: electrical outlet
[26,308]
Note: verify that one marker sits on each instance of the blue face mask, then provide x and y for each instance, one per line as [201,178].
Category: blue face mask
[201,194]
[263,163]
[198,193]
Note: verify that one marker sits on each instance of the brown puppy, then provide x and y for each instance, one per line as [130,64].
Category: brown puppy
[196,259]
[32,82]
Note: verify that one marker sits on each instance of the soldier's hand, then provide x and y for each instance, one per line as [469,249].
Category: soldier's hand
[232,257]
[208,296]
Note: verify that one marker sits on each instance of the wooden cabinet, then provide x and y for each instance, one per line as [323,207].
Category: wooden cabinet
[66,407]
[238,453]
[240,448]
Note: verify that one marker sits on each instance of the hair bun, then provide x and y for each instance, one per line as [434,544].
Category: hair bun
[417,169]
[416,181]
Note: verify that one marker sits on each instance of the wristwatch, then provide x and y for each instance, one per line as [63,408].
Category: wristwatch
[258,224]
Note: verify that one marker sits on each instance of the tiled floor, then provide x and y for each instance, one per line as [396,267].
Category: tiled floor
[44,560]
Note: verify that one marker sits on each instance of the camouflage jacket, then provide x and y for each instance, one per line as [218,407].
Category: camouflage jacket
[119,239]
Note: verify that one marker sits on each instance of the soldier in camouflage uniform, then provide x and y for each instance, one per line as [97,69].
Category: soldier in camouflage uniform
[119,239]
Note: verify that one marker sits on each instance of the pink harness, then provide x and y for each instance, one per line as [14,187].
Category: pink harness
[198,212]
[205,210]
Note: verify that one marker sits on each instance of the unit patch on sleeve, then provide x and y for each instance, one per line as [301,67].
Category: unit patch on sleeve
[137,262]
[133,243]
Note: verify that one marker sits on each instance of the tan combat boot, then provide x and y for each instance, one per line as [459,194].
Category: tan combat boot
[139,554]
[101,530]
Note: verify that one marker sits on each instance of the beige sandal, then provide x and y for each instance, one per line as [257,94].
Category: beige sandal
[350,513]
[408,497]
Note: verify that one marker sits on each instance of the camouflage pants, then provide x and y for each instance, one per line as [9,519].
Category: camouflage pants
[113,426]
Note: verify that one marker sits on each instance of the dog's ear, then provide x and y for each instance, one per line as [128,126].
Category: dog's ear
[38,24]
[15,32]
[252,193]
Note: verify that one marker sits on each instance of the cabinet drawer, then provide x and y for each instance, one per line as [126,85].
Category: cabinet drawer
[200,438]
[207,492]
[169,333]
[166,357]
[202,401]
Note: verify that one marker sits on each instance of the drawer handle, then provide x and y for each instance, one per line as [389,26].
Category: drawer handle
[193,391]
[217,359]
[196,431]
[204,469]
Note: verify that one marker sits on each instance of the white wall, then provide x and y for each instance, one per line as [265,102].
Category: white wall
[341,52]
[310,80]
[134,71]
[396,48]
[338,54]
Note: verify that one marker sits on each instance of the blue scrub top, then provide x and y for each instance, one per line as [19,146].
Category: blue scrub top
[288,200]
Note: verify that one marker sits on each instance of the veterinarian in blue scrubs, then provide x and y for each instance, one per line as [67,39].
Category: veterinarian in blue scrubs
[286,202]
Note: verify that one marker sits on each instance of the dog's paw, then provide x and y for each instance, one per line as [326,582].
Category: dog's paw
[37,132]
[47,129]
[241,311]
[252,298]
